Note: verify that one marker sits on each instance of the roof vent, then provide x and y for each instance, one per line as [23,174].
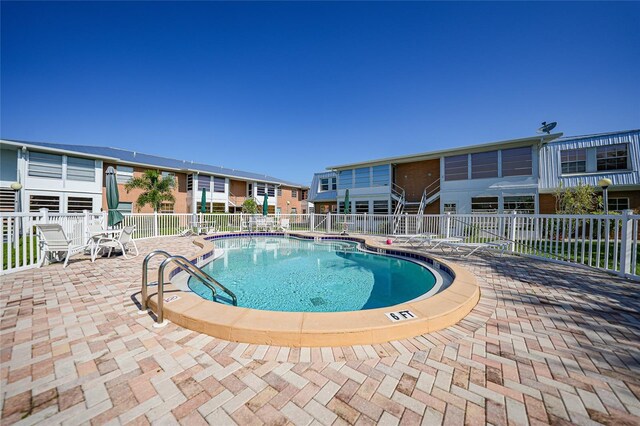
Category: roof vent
[134,153]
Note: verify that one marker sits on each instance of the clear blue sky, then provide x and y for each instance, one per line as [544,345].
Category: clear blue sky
[290,88]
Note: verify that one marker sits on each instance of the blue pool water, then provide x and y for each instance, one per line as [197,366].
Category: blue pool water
[289,274]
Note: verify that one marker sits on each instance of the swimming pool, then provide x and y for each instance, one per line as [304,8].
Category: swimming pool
[275,273]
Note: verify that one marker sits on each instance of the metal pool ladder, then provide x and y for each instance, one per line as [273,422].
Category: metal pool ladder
[186,266]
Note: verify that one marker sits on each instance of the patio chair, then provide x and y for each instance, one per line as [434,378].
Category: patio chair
[262,224]
[459,247]
[415,240]
[55,244]
[187,232]
[124,242]
[285,224]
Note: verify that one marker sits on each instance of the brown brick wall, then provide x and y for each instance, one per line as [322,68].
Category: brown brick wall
[433,208]
[295,202]
[415,177]
[180,192]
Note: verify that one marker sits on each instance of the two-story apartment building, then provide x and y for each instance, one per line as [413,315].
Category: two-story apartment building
[70,178]
[509,175]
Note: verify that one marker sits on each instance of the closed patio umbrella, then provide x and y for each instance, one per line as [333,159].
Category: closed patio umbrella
[347,204]
[265,204]
[113,198]
[203,201]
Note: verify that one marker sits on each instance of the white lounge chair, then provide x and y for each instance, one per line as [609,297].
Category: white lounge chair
[460,247]
[55,244]
[124,242]
[285,224]
[263,223]
[187,232]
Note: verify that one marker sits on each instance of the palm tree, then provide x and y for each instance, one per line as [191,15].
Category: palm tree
[156,189]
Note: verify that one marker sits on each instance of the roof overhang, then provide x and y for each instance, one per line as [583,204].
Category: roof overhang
[20,144]
[410,158]
[115,160]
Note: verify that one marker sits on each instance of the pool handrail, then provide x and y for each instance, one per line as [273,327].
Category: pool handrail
[192,270]
[145,273]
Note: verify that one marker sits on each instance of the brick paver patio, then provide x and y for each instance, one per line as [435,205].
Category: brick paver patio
[547,344]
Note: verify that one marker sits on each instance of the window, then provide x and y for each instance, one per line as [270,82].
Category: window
[517,162]
[380,175]
[484,165]
[362,178]
[327,184]
[278,210]
[204,182]
[381,207]
[456,167]
[294,210]
[346,179]
[262,187]
[573,161]
[279,192]
[7,200]
[294,193]
[37,202]
[218,207]
[189,182]
[484,205]
[45,165]
[341,207]
[305,194]
[521,204]
[618,204]
[218,184]
[79,204]
[124,174]
[450,208]
[125,207]
[207,207]
[362,207]
[168,174]
[166,207]
[250,190]
[612,157]
[81,169]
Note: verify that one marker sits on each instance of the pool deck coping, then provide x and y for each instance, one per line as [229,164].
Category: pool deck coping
[317,329]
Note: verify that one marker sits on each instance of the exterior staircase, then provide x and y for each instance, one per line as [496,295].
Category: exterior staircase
[429,195]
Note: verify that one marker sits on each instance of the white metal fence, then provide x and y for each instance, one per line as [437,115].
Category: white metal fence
[608,242]
[20,241]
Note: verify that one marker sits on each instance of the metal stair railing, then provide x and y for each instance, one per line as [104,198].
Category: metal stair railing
[185,265]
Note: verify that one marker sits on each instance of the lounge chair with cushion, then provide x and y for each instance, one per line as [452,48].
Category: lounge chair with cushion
[54,244]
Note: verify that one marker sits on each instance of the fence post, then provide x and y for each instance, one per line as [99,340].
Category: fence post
[155,224]
[312,221]
[406,224]
[328,222]
[105,220]
[447,224]
[626,242]
[44,212]
[85,224]
[512,231]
